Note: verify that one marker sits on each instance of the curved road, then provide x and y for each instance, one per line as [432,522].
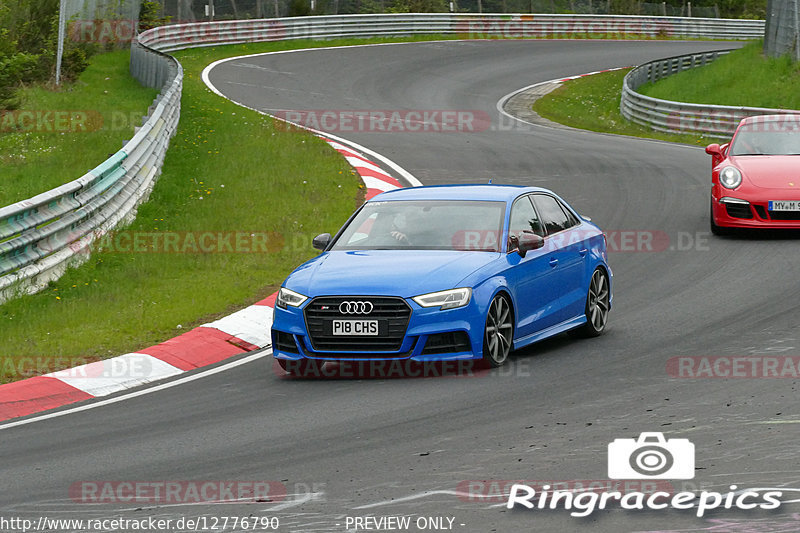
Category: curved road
[404,447]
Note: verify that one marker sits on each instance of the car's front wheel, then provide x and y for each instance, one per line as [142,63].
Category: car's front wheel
[300,367]
[598,303]
[498,333]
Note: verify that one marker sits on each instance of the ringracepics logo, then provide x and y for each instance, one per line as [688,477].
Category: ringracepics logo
[651,456]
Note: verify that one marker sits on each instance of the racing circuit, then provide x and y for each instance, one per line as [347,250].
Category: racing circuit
[409,447]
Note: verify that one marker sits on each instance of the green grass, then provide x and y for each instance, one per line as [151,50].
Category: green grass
[592,103]
[34,161]
[742,78]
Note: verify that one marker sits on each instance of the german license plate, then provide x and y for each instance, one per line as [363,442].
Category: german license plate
[784,205]
[365,328]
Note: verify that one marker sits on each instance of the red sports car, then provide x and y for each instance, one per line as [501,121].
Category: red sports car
[755,182]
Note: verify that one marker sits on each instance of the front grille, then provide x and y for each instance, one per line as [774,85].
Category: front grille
[784,215]
[761,210]
[284,342]
[450,342]
[738,211]
[394,312]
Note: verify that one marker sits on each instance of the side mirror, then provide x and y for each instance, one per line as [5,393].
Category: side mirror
[525,243]
[322,241]
[717,153]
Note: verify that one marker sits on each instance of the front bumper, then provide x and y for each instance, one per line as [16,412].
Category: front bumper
[431,335]
[736,209]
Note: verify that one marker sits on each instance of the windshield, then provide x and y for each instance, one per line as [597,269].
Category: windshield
[424,225]
[767,138]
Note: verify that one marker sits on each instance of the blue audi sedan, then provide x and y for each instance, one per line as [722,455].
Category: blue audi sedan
[445,273]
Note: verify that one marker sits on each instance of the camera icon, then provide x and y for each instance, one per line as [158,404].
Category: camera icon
[651,457]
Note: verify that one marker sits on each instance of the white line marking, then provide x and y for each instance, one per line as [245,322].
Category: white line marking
[305,498]
[259,67]
[413,497]
[181,381]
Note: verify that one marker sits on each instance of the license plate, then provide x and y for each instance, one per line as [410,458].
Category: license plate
[364,328]
[784,205]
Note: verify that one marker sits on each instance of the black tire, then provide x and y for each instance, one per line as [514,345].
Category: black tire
[303,368]
[598,299]
[498,333]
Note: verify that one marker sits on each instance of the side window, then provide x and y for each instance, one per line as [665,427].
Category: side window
[572,220]
[554,217]
[524,219]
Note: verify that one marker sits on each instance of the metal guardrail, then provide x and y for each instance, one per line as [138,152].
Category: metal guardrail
[474,26]
[42,236]
[716,121]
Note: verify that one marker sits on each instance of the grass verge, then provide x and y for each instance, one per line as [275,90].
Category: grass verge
[592,103]
[742,78]
[56,136]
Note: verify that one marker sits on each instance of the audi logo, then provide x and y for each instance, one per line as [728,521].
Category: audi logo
[355,308]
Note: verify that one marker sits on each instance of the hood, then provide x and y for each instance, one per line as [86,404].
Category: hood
[403,273]
[770,171]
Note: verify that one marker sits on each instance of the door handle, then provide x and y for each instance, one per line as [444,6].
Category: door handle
[583,252]
[553,262]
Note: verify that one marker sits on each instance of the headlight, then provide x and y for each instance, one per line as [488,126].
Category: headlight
[445,299]
[287,297]
[730,177]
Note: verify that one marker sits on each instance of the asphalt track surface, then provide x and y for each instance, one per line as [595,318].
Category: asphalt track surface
[390,447]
